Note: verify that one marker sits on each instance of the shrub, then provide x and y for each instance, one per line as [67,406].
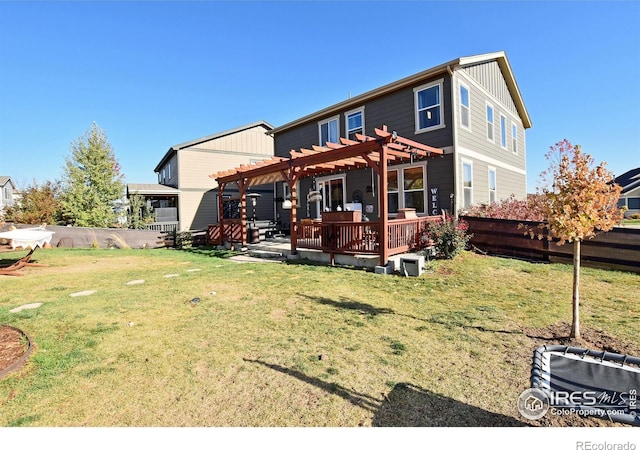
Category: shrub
[511,208]
[184,239]
[450,237]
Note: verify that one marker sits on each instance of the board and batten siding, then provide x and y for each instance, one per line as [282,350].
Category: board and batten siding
[489,76]
[473,144]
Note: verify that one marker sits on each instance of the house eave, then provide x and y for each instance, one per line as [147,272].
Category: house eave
[358,100]
[175,148]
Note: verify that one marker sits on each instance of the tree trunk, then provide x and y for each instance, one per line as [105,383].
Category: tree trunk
[575,326]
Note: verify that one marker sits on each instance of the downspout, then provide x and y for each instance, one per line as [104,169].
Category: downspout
[454,126]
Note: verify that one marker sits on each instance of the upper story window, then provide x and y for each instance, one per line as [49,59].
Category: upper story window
[503,131]
[514,138]
[465,107]
[428,104]
[329,130]
[354,123]
[490,122]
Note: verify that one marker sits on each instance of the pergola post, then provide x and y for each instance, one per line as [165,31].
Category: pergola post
[291,177]
[221,187]
[384,206]
[242,186]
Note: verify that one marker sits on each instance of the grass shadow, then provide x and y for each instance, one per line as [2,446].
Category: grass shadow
[357,399]
[406,405]
[361,307]
[209,251]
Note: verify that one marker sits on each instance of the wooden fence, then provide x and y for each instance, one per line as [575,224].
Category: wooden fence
[617,249]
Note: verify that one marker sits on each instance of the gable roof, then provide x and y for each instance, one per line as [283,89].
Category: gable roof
[499,57]
[174,148]
[629,180]
[4,180]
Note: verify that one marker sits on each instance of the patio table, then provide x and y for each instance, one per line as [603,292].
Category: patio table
[29,238]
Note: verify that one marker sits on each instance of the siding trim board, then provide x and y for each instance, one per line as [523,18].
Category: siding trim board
[489,160]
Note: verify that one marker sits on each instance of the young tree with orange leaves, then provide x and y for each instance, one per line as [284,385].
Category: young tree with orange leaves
[580,200]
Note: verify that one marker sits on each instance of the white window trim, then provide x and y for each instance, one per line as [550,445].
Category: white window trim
[514,137]
[493,122]
[440,84]
[339,176]
[470,163]
[400,169]
[495,175]
[346,120]
[322,122]
[503,131]
[463,85]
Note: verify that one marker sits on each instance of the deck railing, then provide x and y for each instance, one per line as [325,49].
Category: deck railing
[164,227]
[232,232]
[363,237]
[339,237]
[408,234]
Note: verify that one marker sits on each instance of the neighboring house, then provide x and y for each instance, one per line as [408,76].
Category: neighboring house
[470,107]
[630,195]
[7,193]
[186,195]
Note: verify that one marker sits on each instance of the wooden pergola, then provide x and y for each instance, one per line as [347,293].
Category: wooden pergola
[377,153]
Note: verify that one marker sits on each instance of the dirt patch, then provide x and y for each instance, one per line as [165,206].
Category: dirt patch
[13,347]
[558,334]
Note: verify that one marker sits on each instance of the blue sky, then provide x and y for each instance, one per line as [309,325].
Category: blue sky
[155,74]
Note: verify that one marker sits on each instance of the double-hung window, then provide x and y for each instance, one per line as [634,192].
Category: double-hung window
[392,191]
[428,104]
[354,123]
[467,184]
[465,107]
[492,185]
[490,122]
[329,130]
[503,131]
[406,188]
[514,138]
[414,188]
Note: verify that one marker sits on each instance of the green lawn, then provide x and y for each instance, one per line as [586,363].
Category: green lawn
[288,344]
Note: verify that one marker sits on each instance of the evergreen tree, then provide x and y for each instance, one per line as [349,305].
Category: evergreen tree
[93,181]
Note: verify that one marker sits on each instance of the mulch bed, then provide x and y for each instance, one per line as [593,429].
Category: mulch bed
[14,347]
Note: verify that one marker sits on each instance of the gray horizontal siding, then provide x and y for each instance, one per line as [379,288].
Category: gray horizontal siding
[396,110]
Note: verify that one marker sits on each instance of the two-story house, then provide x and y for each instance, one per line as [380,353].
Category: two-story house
[470,107]
[186,196]
[7,193]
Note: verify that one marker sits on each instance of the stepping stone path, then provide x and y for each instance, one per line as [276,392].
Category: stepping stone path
[171,275]
[132,282]
[23,307]
[82,293]
[194,270]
